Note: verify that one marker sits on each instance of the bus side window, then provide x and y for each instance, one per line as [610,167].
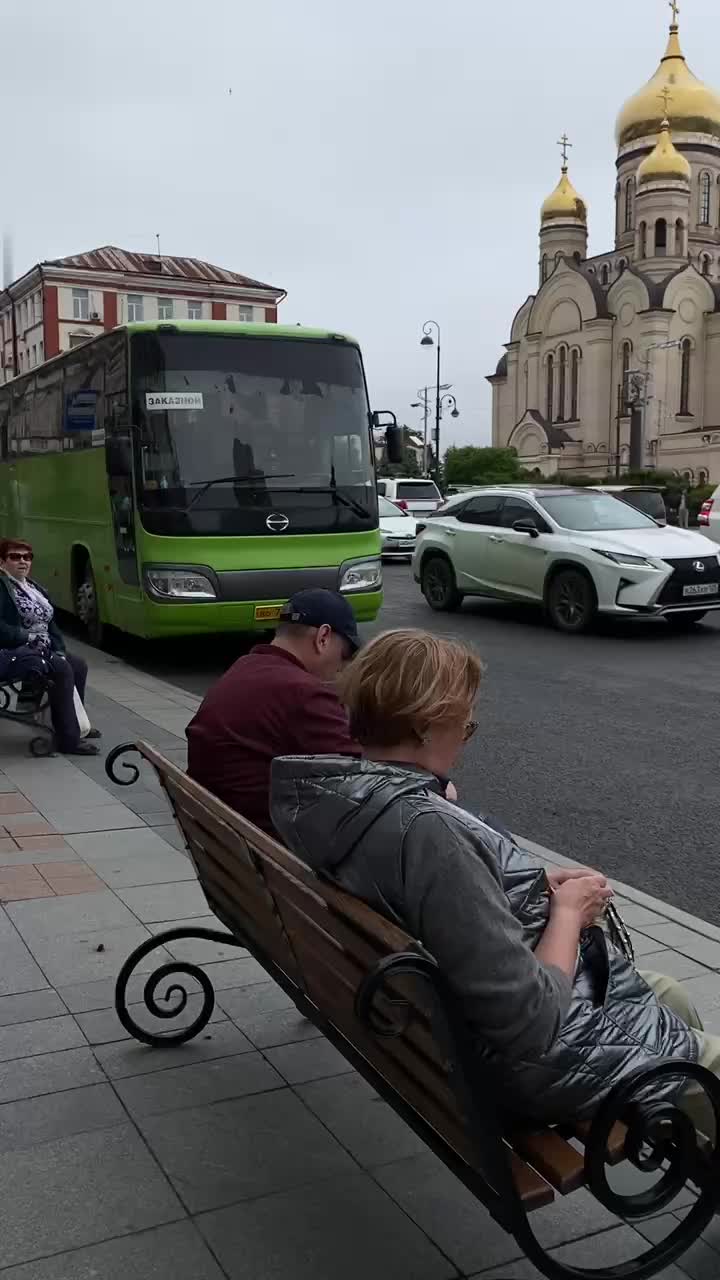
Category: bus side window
[118,461]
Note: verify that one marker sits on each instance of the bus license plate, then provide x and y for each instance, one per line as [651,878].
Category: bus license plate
[267,612]
[702,589]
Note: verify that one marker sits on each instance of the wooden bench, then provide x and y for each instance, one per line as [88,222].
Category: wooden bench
[383,1002]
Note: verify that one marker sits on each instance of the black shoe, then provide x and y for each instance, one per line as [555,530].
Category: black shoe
[92,733]
[82,749]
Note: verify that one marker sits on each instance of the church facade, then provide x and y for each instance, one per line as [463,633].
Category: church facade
[640,323]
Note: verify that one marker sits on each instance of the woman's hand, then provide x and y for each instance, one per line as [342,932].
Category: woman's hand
[558,876]
[583,898]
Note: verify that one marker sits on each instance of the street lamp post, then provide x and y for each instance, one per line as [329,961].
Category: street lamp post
[423,402]
[427,340]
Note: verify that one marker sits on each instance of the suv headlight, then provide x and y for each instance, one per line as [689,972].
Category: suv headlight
[364,576]
[619,557]
[179,584]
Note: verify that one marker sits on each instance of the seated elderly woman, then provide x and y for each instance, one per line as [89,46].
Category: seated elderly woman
[556,1010]
[28,629]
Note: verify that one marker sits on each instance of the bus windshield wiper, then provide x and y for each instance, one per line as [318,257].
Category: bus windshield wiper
[258,481]
[352,503]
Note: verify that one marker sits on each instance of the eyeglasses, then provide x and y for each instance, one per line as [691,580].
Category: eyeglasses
[20,555]
[470,729]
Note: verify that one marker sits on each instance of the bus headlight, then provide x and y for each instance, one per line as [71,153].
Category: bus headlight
[366,575]
[179,584]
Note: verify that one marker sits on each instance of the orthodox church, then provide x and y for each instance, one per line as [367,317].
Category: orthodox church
[619,354]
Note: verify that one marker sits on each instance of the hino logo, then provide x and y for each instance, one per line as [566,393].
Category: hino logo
[698,566]
[277,523]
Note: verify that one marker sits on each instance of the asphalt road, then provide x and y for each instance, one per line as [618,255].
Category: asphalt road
[602,747]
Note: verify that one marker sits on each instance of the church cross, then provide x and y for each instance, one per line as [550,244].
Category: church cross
[675,11]
[563,144]
[666,98]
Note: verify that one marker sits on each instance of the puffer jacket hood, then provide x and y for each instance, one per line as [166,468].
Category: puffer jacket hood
[480,904]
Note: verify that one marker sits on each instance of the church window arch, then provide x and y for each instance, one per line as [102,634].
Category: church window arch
[629,204]
[705,199]
[642,240]
[685,376]
[562,382]
[621,266]
[680,238]
[544,269]
[627,349]
[605,274]
[550,388]
[703,477]
[705,264]
[660,238]
[574,384]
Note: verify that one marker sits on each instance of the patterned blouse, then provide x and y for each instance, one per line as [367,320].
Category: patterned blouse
[34,608]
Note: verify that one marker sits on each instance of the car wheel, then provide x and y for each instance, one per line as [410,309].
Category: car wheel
[438,585]
[87,608]
[685,621]
[571,602]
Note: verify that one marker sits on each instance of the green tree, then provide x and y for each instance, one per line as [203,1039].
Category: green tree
[470,465]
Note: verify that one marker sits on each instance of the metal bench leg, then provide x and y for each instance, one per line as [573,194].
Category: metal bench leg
[175,997]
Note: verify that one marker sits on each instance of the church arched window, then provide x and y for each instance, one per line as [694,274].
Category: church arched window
[562,384]
[621,266]
[685,373]
[550,398]
[703,477]
[626,357]
[705,264]
[605,274]
[642,238]
[574,384]
[660,238]
[705,199]
[629,204]
[680,238]
[544,268]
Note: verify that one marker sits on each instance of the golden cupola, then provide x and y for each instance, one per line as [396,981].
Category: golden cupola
[564,202]
[696,107]
[665,163]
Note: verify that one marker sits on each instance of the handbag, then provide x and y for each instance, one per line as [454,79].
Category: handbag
[81,714]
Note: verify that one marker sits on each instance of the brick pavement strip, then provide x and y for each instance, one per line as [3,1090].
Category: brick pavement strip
[101,1175]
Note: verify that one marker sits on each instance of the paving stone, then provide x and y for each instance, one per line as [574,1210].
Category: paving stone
[47,1073]
[23,884]
[46,1035]
[77,958]
[28,856]
[80,1190]
[128,1058]
[699,1262]
[102,1026]
[644,946]
[42,844]
[111,817]
[202,950]
[171,835]
[26,826]
[83,997]
[30,1121]
[174,1252]
[14,802]
[64,917]
[245,1003]
[125,873]
[675,965]
[198,1085]
[164,902]
[30,1006]
[7,845]
[18,971]
[284,1026]
[704,991]
[689,943]
[324,1235]
[117,845]
[609,1249]
[360,1120]
[243,1149]
[308,1060]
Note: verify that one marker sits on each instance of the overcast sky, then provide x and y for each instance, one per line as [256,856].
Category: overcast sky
[384,162]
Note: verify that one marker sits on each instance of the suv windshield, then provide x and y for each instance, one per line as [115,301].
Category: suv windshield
[230,428]
[595,512]
[648,500]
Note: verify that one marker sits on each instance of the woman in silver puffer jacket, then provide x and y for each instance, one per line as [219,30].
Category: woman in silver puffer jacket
[555,1009]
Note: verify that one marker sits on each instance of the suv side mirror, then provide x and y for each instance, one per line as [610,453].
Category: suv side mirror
[526,526]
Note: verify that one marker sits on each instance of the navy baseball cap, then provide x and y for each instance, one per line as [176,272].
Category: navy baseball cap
[316,607]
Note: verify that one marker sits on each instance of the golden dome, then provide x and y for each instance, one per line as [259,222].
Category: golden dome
[564,202]
[695,107]
[665,163]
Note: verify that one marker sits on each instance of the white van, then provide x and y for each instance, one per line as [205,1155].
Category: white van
[419,497]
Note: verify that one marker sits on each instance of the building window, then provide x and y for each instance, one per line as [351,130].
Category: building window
[705,199]
[680,238]
[34,355]
[629,204]
[686,358]
[574,384]
[562,380]
[605,275]
[81,304]
[194,310]
[165,308]
[626,356]
[245,314]
[41,349]
[705,264]
[136,308]
[660,238]
[543,268]
[621,266]
[642,240]
[550,388]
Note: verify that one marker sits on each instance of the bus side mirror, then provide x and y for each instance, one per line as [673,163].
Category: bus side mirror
[393,435]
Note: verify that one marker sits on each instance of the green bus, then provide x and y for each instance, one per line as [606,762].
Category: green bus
[185,478]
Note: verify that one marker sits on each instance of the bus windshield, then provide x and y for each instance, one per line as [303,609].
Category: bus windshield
[228,429]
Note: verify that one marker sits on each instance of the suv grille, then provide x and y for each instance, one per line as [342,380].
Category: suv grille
[686,575]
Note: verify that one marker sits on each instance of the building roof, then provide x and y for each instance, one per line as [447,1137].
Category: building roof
[110,258]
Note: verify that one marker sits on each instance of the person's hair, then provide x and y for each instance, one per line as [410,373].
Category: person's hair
[404,682]
[13,544]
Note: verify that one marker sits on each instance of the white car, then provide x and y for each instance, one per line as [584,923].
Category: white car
[416,496]
[709,518]
[577,552]
[397,530]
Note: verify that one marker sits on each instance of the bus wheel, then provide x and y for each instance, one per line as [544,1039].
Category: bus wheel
[87,608]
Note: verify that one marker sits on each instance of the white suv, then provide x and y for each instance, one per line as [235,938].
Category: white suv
[416,496]
[575,551]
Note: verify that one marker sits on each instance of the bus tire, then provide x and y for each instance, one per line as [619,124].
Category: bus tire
[87,606]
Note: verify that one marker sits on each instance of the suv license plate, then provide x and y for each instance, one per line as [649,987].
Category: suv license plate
[702,589]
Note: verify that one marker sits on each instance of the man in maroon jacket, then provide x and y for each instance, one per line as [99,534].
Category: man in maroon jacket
[276,701]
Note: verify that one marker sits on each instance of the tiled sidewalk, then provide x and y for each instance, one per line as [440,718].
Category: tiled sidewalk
[253,1151]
